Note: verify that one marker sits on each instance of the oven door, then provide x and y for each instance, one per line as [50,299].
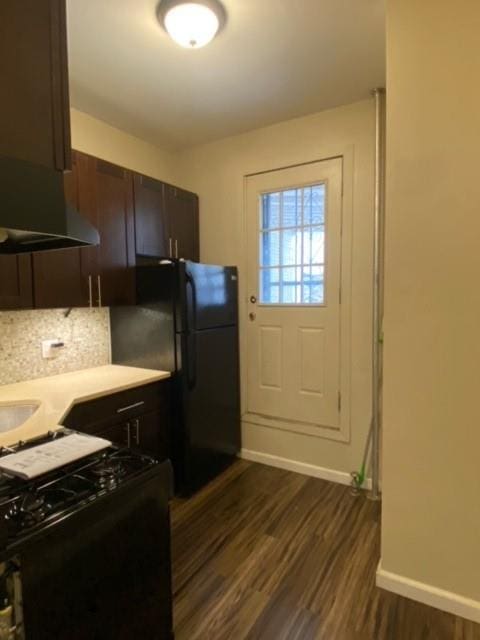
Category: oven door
[104,572]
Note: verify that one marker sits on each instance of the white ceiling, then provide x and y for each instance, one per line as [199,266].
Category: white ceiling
[274,60]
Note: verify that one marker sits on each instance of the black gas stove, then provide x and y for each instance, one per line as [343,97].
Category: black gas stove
[86,547]
[27,506]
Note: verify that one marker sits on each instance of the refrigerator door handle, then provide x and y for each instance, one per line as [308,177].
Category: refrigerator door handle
[191,361]
[190,333]
[191,307]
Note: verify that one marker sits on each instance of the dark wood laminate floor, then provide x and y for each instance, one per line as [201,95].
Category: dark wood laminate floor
[266,554]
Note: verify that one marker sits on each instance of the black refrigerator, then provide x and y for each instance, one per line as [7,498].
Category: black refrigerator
[186,322]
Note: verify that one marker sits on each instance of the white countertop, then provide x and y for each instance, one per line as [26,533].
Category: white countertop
[56,395]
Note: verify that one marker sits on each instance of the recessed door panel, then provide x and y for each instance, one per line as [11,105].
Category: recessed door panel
[271,357]
[312,360]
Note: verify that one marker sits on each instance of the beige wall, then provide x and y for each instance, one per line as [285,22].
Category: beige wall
[431,499]
[216,171]
[104,141]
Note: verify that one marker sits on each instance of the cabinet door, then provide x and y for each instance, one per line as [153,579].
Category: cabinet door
[16,282]
[117,433]
[151,226]
[34,109]
[58,278]
[182,210]
[149,433]
[112,189]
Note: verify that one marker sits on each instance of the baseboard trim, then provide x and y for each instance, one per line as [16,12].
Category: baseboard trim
[429,595]
[341,477]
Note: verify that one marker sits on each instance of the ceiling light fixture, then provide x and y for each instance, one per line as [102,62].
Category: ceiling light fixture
[191,24]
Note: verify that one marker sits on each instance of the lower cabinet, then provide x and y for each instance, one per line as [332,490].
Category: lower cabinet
[146,433]
[138,418]
[117,433]
[146,436]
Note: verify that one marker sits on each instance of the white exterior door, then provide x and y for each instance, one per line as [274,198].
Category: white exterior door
[294,226]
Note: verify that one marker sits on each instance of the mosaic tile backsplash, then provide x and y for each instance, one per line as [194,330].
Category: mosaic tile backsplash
[85,332]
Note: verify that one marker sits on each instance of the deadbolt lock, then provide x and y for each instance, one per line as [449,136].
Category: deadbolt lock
[253,299]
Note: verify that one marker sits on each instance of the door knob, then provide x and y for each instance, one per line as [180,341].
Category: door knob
[253,299]
[252,316]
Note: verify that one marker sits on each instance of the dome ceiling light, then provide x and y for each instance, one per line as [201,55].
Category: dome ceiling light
[191,24]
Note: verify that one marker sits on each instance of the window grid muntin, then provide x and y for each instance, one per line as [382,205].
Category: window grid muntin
[301,228]
[315,227]
[280,280]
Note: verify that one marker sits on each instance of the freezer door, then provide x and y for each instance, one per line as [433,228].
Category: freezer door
[211,296]
[211,404]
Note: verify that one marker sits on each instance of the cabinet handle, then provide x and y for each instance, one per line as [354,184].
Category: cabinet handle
[170,248]
[176,248]
[136,422]
[131,406]
[99,285]
[90,293]
[129,435]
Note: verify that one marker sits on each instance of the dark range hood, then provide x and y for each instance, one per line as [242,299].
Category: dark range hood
[34,214]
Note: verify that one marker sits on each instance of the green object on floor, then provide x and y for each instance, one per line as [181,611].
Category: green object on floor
[358,477]
[361,476]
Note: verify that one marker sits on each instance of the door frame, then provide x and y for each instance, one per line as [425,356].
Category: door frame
[343,432]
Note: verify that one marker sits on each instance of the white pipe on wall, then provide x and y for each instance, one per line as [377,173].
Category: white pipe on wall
[379,220]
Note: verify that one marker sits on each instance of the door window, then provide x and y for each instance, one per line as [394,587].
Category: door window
[292,246]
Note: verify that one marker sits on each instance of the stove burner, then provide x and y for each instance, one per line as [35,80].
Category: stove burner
[108,472]
[32,502]
[28,510]
[26,506]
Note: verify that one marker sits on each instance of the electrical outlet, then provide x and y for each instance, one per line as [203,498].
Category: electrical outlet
[52,348]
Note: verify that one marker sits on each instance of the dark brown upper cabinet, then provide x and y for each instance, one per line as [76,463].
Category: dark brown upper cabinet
[59,278]
[92,276]
[135,216]
[33,65]
[16,282]
[151,224]
[181,208]
[166,220]
[111,189]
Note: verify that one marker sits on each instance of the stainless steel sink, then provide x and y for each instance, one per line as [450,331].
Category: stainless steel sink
[14,415]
